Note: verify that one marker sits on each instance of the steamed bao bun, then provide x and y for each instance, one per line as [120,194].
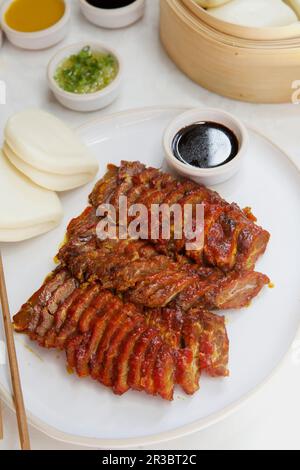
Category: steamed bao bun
[51,181]
[47,151]
[255,13]
[26,210]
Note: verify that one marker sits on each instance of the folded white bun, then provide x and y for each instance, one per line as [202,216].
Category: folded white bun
[255,13]
[26,210]
[51,181]
[44,142]
[22,234]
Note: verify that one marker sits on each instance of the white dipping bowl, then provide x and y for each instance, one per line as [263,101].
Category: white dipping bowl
[39,39]
[88,101]
[113,18]
[206,176]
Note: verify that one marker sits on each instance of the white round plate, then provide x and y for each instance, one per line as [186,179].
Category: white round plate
[84,412]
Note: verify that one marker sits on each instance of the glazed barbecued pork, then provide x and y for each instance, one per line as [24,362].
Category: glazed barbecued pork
[232,239]
[120,346]
[134,313]
[151,279]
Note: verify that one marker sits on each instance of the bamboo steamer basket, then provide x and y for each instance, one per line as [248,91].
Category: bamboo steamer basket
[221,36]
[247,70]
[246,32]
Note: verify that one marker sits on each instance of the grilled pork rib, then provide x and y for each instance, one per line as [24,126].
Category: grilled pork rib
[151,279]
[232,239]
[120,346]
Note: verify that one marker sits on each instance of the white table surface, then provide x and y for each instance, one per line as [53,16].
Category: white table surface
[271,419]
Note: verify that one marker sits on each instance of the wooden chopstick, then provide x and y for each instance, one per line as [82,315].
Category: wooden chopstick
[1,422]
[13,364]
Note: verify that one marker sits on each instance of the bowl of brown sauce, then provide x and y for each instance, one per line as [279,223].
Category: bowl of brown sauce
[206,145]
[112,13]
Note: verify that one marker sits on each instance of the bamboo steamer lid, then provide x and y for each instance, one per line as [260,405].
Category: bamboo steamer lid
[245,32]
[245,70]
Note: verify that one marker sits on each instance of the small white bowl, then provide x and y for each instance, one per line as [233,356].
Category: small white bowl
[206,176]
[113,18]
[39,39]
[88,101]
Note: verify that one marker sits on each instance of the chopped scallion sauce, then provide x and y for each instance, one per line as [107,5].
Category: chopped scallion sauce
[87,72]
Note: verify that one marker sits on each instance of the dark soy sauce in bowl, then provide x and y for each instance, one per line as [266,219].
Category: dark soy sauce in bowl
[205,145]
[110,4]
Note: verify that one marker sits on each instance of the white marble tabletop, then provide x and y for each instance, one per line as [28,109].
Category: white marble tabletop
[270,420]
